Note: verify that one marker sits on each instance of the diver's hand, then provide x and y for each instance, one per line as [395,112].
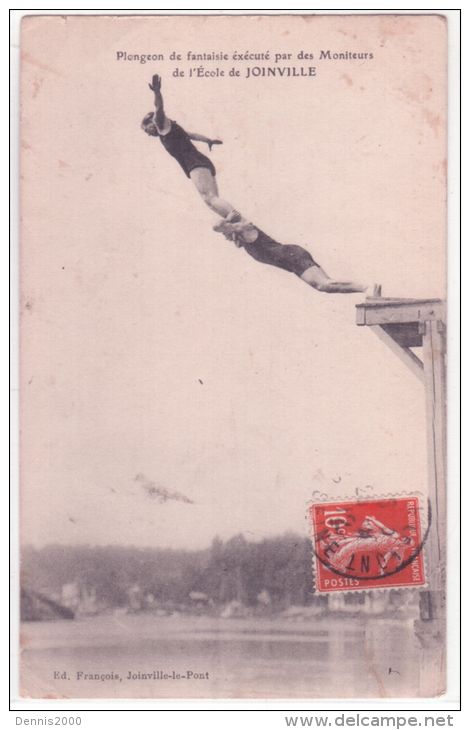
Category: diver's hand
[156,83]
[212,142]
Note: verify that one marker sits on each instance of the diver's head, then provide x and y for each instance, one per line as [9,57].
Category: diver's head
[148,125]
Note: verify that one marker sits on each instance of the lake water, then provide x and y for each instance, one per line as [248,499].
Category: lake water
[207,657]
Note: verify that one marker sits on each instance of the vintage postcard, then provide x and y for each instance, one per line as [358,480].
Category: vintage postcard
[233,338]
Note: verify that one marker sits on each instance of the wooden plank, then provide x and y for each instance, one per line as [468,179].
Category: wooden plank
[383,311]
[406,356]
[360,314]
[386,301]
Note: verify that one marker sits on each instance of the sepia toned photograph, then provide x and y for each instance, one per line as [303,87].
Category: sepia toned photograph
[233,356]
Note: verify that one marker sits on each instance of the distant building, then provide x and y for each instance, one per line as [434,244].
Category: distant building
[80,599]
[135,597]
[371,602]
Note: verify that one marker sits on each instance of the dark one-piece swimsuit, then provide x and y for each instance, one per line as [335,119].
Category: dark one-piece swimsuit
[289,257]
[179,146]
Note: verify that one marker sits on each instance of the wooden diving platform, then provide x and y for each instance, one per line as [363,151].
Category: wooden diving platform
[403,324]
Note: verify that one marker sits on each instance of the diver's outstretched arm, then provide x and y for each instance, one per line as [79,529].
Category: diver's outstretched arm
[161,120]
[202,138]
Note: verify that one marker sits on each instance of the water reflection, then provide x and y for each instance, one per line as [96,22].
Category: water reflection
[328,657]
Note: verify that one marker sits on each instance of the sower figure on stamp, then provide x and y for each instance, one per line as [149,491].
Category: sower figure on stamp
[373,535]
[295,259]
[178,144]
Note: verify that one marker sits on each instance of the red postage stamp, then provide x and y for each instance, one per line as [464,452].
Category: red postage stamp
[360,545]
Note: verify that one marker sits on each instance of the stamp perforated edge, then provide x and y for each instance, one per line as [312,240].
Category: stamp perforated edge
[365,494]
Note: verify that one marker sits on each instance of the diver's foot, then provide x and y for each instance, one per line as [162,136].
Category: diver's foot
[377,290]
[373,291]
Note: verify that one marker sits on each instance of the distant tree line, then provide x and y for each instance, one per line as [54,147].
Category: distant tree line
[236,570]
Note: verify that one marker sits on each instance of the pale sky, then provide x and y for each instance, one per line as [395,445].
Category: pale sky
[130,300]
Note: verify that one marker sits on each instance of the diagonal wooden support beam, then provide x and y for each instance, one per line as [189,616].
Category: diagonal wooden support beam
[404,353]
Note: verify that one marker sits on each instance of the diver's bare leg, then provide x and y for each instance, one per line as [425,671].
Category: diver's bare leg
[206,185]
[319,279]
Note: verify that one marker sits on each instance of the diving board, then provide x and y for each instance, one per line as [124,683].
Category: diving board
[420,324]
